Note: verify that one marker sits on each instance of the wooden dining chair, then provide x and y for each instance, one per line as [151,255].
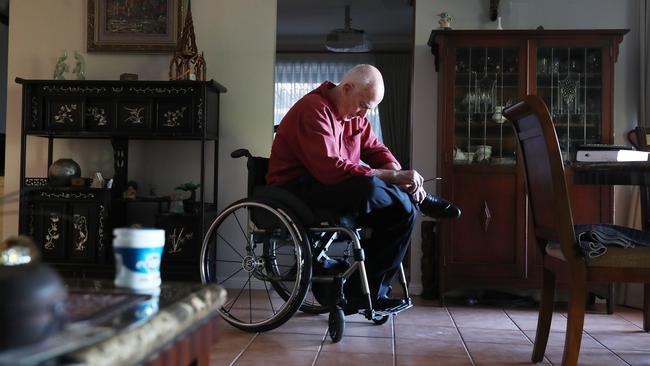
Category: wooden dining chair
[639,137]
[553,224]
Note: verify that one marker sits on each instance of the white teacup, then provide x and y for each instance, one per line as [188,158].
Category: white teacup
[459,155]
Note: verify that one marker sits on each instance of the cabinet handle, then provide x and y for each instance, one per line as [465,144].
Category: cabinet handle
[486,216]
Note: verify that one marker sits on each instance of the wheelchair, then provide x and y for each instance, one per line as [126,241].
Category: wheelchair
[276,256]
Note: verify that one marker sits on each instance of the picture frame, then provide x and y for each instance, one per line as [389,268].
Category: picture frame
[152,26]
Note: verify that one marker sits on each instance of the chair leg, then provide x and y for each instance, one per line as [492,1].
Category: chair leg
[545,315]
[610,298]
[646,307]
[575,321]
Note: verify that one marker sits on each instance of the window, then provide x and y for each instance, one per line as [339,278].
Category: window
[296,76]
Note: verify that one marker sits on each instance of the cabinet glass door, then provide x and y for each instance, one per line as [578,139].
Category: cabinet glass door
[570,82]
[486,82]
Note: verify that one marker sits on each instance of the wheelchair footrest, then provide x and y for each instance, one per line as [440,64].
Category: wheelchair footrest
[395,310]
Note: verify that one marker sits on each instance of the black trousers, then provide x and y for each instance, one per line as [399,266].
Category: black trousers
[380,206]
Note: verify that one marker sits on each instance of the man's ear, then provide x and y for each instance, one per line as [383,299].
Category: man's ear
[347,88]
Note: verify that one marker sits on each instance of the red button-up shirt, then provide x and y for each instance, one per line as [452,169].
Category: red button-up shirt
[313,140]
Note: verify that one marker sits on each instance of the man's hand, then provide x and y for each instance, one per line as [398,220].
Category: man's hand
[409,180]
[419,195]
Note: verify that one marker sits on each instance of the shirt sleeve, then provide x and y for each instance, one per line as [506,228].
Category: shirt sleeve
[317,148]
[373,152]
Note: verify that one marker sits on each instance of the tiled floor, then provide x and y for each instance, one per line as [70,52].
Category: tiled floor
[431,335]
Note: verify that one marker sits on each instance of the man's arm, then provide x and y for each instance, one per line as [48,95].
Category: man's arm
[409,180]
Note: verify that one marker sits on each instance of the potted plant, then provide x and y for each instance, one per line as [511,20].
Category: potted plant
[188,203]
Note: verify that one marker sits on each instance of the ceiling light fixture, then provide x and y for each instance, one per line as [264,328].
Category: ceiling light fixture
[347,39]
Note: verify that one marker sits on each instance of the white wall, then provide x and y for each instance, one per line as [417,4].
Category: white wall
[517,14]
[238,38]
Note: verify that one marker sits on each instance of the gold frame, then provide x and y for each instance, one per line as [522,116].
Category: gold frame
[98,40]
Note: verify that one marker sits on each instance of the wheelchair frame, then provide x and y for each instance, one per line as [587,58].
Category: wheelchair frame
[264,212]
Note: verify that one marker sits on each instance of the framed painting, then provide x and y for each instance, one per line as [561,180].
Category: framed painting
[144,26]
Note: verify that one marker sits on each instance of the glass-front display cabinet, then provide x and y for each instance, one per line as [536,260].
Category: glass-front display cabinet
[486,81]
[569,79]
[481,72]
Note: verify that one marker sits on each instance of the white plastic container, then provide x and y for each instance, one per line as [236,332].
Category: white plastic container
[138,253]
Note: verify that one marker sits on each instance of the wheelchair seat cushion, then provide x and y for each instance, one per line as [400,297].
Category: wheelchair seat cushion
[317,217]
[288,200]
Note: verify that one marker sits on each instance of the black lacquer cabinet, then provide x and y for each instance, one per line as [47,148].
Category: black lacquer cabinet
[73,225]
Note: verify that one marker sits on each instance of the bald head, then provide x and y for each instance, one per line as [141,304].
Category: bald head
[366,77]
[361,89]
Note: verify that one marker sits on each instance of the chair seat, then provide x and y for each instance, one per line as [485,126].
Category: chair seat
[618,257]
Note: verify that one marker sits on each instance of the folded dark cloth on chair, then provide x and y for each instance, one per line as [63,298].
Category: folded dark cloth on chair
[593,239]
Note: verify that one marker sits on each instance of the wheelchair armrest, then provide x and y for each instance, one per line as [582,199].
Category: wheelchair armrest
[239,153]
[286,198]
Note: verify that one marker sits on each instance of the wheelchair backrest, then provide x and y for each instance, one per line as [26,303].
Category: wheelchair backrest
[257,168]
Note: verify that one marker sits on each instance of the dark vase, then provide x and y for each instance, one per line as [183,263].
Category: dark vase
[189,205]
[62,171]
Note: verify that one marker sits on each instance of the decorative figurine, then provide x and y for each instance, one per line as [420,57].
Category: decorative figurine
[98,181]
[187,63]
[189,202]
[61,67]
[445,20]
[80,67]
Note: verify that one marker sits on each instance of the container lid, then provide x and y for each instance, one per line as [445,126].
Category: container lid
[140,235]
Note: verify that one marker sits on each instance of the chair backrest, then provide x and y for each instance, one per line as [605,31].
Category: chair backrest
[544,171]
[640,138]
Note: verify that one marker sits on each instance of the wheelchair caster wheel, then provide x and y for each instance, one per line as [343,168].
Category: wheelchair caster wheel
[336,324]
[380,320]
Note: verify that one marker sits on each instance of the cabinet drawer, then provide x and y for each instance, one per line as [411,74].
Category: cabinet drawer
[134,115]
[69,224]
[174,116]
[182,237]
[64,114]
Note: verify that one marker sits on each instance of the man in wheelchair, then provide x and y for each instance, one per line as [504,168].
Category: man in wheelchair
[317,154]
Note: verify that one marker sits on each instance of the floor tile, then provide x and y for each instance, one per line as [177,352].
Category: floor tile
[636,358]
[281,357]
[272,342]
[426,335]
[351,344]
[475,317]
[419,360]
[624,341]
[556,339]
[493,336]
[354,359]
[429,315]
[432,348]
[500,354]
[417,332]
[591,357]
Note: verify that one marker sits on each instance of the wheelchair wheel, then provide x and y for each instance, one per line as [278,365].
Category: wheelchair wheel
[379,320]
[253,249]
[336,324]
[312,306]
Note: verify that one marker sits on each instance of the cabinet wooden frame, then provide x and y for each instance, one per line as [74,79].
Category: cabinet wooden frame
[490,246]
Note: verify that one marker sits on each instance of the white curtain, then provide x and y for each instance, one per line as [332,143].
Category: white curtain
[298,74]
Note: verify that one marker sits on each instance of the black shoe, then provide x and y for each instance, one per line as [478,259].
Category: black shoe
[386,303]
[438,208]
